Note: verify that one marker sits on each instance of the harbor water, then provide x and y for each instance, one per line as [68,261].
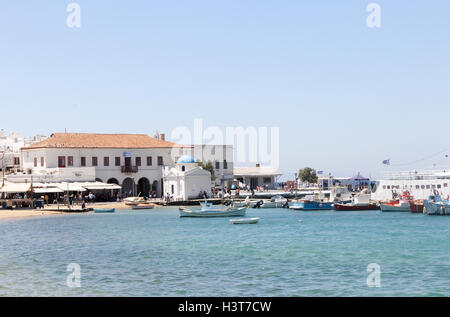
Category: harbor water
[288,253]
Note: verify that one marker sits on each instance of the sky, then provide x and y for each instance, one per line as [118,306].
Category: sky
[343,95]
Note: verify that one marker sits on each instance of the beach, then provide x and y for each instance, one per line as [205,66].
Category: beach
[6,214]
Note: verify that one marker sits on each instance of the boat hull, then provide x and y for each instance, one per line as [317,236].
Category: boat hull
[104,210]
[436,209]
[244,221]
[416,208]
[311,206]
[142,207]
[393,208]
[344,207]
[213,213]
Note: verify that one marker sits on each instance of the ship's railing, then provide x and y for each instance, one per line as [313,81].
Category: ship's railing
[416,174]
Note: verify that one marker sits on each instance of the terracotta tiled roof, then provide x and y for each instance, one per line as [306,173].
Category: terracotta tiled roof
[107,141]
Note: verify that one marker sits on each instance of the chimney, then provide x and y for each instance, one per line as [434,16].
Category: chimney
[257,165]
[162,136]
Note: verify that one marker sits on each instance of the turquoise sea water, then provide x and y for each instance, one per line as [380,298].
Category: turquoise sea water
[155,253]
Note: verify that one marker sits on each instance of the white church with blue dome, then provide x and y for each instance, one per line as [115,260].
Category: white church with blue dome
[186,180]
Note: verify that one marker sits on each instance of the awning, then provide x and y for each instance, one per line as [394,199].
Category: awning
[71,187]
[48,190]
[99,186]
[15,188]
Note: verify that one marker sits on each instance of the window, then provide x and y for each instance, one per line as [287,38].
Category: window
[428,186]
[267,180]
[94,161]
[445,184]
[83,161]
[70,161]
[217,165]
[42,161]
[16,161]
[183,168]
[433,186]
[173,189]
[225,164]
[160,161]
[149,161]
[35,162]
[61,161]
[117,160]
[422,186]
[417,186]
[439,186]
[388,187]
[138,161]
[384,186]
[106,161]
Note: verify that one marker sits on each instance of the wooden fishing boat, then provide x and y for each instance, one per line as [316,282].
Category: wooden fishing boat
[143,206]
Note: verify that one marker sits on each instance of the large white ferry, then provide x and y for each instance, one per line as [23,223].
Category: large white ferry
[419,183]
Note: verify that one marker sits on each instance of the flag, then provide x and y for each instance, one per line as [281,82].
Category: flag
[387,162]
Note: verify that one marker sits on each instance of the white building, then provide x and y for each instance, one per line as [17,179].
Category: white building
[221,158]
[10,145]
[134,161]
[186,180]
[256,176]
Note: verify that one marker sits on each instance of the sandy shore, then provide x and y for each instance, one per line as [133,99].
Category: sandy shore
[6,214]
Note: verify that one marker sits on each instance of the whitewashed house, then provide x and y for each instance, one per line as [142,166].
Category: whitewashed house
[186,180]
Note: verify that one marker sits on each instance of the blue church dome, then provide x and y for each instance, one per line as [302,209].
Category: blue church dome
[186,159]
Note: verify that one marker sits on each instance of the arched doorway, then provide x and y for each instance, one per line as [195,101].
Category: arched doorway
[99,180]
[128,187]
[143,187]
[113,181]
[155,188]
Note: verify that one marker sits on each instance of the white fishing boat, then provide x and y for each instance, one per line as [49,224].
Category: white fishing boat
[228,212]
[133,201]
[208,210]
[244,221]
[275,202]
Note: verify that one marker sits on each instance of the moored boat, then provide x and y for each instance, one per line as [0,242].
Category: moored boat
[355,207]
[310,205]
[401,205]
[436,206]
[244,221]
[228,212]
[99,210]
[143,206]
[416,206]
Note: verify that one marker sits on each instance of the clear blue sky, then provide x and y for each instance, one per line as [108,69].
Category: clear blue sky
[345,96]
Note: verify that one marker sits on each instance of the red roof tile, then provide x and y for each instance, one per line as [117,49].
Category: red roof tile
[109,141]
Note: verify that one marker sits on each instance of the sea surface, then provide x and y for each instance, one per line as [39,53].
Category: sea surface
[288,253]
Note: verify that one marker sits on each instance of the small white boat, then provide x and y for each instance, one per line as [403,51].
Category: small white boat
[228,212]
[142,206]
[244,221]
[133,201]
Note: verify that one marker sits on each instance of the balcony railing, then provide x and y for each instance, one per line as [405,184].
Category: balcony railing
[129,169]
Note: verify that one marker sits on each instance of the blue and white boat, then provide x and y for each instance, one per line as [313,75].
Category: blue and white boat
[310,205]
[436,206]
[98,210]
